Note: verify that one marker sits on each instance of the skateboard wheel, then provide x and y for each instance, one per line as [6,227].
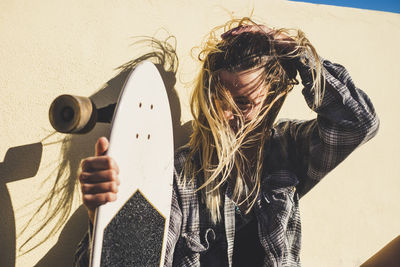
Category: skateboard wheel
[72,114]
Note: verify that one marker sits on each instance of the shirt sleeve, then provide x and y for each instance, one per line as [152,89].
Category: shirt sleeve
[82,253]
[345,119]
[175,223]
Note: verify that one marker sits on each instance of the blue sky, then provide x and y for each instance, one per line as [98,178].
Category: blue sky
[382,5]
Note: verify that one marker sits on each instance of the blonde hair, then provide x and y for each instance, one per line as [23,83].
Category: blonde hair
[219,147]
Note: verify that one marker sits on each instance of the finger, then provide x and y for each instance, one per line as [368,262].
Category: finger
[99,163]
[99,177]
[101,146]
[97,188]
[95,200]
[285,46]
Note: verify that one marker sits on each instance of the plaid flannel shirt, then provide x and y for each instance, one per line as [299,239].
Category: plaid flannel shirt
[298,155]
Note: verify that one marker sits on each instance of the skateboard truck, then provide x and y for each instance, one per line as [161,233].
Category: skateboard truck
[77,114]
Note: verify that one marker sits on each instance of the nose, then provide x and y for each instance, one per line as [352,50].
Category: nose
[228,114]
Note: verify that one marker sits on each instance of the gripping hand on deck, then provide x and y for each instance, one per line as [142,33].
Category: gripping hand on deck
[98,178]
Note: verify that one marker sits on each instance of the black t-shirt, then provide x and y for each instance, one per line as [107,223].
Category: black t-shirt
[247,249]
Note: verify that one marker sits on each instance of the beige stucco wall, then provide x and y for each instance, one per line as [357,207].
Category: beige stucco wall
[49,48]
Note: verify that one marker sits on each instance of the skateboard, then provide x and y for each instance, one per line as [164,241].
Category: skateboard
[132,231]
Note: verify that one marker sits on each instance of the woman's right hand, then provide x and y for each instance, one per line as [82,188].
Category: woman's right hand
[283,42]
[98,177]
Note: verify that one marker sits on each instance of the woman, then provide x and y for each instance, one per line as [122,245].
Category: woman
[239,179]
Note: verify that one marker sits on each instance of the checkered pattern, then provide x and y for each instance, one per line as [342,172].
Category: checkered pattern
[298,155]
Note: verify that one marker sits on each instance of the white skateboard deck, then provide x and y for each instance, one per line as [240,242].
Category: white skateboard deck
[132,231]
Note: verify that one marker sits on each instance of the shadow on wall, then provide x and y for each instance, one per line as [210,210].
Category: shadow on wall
[19,163]
[388,256]
[62,253]
[76,147]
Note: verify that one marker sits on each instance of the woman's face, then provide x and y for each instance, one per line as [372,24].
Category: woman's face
[247,89]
